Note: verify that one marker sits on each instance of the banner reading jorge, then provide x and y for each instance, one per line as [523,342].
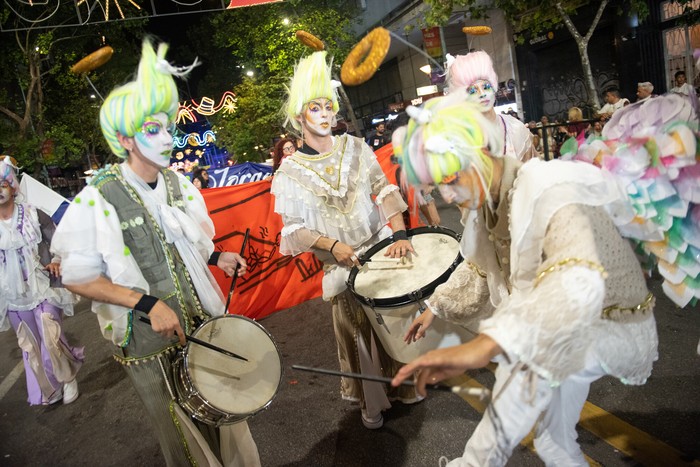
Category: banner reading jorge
[273,282]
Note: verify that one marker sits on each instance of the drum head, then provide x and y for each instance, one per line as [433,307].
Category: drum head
[436,255]
[231,385]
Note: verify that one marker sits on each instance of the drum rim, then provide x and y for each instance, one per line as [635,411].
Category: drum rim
[231,417]
[405,299]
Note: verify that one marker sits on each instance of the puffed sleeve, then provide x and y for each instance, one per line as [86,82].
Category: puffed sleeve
[550,325]
[464,298]
[90,243]
[389,199]
[296,238]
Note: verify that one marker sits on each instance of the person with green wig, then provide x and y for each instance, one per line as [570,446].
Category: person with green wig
[324,193]
[552,291]
[138,242]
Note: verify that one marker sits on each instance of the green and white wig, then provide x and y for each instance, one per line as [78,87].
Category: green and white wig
[125,109]
[445,136]
[312,79]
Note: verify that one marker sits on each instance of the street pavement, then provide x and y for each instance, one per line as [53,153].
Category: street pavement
[308,424]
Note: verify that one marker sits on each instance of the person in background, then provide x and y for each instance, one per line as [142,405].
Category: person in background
[474,73]
[645,91]
[201,174]
[284,147]
[681,87]
[377,138]
[613,103]
[138,243]
[576,128]
[32,299]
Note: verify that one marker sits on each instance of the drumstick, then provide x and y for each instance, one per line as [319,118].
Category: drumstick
[482,393]
[401,260]
[235,273]
[203,343]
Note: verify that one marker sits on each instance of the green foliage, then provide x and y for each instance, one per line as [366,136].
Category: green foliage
[61,109]
[256,122]
[259,40]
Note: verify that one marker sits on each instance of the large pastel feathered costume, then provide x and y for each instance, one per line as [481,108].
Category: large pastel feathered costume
[652,149]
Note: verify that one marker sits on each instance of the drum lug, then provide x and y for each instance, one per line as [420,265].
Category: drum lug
[377,316]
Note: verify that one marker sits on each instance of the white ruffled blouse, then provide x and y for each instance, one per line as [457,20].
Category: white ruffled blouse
[90,242]
[24,283]
[331,195]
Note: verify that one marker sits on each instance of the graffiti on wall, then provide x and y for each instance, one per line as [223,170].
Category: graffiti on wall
[569,90]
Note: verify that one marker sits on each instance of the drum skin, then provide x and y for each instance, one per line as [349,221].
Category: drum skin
[392,299]
[217,389]
[93,61]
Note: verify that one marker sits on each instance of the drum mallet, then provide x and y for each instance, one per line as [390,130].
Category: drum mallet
[203,343]
[235,273]
[481,393]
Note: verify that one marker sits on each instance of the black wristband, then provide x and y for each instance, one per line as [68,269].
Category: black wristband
[332,246]
[146,303]
[214,258]
[400,235]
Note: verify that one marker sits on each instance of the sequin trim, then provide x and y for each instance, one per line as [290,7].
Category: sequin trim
[176,422]
[568,262]
[129,328]
[128,361]
[616,312]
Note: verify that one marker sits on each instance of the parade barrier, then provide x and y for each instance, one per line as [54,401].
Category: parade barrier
[273,282]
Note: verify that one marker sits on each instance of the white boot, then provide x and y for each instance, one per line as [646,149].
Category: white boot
[70,391]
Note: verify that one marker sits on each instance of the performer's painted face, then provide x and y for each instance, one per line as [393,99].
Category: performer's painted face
[482,92]
[317,116]
[6,192]
[464,189]
[155,140]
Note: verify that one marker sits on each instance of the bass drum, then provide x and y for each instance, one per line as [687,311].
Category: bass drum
[217,389]
[393,297]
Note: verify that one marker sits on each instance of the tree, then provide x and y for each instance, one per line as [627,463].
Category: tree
[259,40]
[47,114]
[536,16]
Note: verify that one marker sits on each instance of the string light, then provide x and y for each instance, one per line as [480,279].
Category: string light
[206,107]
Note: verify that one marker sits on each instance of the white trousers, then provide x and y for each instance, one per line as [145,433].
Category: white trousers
[518,405]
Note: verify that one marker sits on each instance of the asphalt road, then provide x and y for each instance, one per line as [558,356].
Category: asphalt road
[307,424]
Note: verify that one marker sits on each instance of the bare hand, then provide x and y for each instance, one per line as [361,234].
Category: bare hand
[345,255]
[54,269]
[164,321]
[440,364]
[419,326]
[399,249]
[229,262]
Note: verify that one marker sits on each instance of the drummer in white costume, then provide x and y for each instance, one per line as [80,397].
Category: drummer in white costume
[569,300]
[324,193]
[137,242]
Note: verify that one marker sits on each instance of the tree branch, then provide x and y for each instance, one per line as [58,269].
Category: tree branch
[569,24]
[594,24]
[11,114]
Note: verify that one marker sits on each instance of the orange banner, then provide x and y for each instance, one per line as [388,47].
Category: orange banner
[274,282]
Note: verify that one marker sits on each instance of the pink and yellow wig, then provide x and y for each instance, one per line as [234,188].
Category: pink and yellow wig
[154,91]
[8,171]
[312,79]
[445,136]
[465,70]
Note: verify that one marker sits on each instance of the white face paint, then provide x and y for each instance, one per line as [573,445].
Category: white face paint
[482,92]
[155,141]
[464,189]
[317,116]
[6,192]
